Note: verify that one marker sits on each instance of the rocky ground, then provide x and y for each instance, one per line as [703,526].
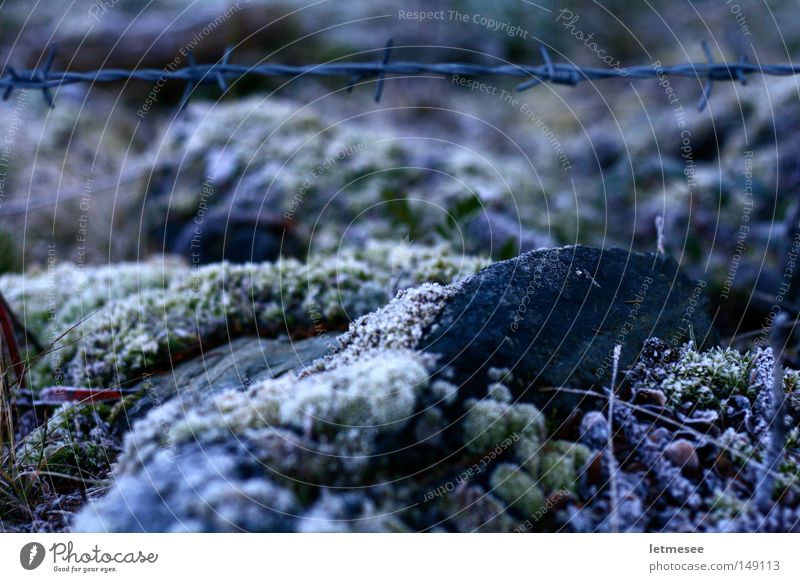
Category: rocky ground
[476,400]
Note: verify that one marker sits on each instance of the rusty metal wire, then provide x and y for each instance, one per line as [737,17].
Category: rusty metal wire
[44,79]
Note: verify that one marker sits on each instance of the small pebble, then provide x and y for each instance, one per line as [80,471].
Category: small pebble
[594,430]
[650,396]
[682,453]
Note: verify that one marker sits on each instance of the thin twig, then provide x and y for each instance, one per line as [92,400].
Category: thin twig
[612,464]
[777,430]
[660,250]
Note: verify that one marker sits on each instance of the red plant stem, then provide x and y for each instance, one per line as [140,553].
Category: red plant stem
[78,394]
[10,338]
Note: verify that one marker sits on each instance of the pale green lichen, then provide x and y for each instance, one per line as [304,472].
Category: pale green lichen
[499,391]
[378,392]
[557,465]
[444,392]
[51,301]
[351,404]
[489,422]
[518,489]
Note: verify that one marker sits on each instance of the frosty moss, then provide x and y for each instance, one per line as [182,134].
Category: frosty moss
[692,378]
[398,325]
[558,465]
[368,181]
[51,301]
[152,315]
[365,441]
[74,443]
[704,378]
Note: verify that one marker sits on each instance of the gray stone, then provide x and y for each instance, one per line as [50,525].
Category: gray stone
[237,364]
[237,237]
[553,317]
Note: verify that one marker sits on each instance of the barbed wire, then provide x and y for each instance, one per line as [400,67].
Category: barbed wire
[43,78]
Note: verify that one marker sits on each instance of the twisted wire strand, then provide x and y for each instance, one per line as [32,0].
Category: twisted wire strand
[44,79]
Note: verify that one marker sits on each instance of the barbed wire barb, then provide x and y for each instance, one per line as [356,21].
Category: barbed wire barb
[707,88]
[223,62]
[721,72]
[10,88]
[564,74]
[537,80]
[44,72]
[191,84]
[387,53]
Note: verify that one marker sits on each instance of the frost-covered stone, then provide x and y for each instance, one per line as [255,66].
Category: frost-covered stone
[554,316]
[399,325]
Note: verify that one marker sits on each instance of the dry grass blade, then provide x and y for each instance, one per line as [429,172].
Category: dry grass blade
[22,484]
[6,409]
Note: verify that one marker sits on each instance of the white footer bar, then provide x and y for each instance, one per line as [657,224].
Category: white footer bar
[356,557]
